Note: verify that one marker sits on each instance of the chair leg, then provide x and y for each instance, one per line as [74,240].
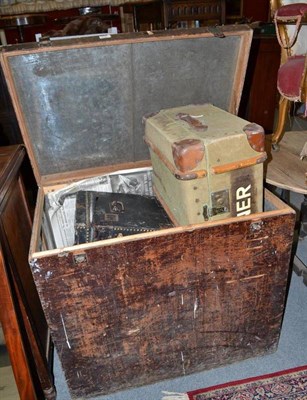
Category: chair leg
[282,114]
[303,228]
[285,195]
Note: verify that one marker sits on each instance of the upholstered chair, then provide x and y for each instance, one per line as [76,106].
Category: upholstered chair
[290,17]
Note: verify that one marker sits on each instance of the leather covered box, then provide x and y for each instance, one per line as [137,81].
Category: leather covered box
[207,163]
[133,310]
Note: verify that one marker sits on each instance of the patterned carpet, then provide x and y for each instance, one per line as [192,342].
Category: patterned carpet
[284,385]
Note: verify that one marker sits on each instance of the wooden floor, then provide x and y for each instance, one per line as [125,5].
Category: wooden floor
[284,168]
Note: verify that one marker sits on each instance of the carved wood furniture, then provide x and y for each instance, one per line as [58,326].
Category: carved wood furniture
[22,319]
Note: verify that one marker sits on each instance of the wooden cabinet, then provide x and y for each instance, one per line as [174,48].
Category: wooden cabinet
[169,14]
[147,16]
[23,28]
[256,10]
[21,315]
[260,96]
[159,14]
[239,10]
[9,130]
[194,13]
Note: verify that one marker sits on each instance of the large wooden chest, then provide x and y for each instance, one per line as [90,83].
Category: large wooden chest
[133,310]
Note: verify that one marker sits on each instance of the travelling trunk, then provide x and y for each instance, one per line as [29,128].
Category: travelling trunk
[129,311]
[207,163]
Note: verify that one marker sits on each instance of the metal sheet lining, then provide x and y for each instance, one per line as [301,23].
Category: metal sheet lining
[83,107]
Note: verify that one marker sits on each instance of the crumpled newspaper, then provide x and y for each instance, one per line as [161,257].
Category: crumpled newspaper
[60,205]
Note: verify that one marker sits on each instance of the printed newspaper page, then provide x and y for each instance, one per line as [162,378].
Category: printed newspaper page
[61,205]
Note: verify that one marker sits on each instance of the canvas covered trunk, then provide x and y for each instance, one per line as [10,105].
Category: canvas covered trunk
[207,163]
[132,310]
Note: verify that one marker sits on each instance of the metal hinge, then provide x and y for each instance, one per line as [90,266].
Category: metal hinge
[216,31]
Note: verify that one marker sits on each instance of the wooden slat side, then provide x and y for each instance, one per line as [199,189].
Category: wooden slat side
[37,224]
[136,312]
[36,254]
[277,203]
[139,37]
[54,180]
[240,72]
[279,208]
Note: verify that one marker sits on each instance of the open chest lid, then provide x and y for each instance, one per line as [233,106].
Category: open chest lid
[80,103]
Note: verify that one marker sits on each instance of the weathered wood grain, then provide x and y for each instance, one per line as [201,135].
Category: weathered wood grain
[131,312]
[21,315]
[139,311]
